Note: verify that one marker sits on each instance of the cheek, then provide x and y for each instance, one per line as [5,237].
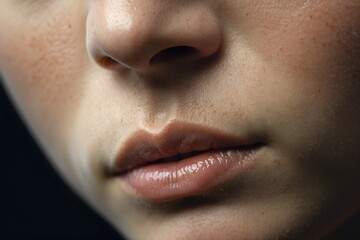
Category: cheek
[313,53]
[319,43]
[311,77]
[42,61]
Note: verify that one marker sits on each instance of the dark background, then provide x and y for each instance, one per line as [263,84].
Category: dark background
[35,202]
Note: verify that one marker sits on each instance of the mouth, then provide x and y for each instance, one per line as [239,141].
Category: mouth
[178,157]
[182,160]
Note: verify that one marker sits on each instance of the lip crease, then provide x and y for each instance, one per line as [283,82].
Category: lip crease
[181,160]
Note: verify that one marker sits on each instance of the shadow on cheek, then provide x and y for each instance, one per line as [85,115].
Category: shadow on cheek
[37,204]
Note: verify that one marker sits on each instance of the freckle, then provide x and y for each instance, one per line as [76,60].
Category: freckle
[311,16]
[276,162]
[330,25]
[69,26]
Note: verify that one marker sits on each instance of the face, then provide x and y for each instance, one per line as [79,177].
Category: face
[195,119]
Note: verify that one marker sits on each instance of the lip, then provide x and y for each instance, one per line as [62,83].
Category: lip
[181,160]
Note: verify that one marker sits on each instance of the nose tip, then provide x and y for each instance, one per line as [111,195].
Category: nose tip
[143,35]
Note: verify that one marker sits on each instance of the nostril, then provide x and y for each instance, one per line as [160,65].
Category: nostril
[110,63]
[172,54]
[106,61]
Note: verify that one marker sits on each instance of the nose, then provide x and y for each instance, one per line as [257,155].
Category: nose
[144,35]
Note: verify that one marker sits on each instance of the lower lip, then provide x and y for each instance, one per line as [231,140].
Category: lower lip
[188,177]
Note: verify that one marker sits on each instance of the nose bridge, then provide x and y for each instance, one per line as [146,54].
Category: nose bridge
[135,32]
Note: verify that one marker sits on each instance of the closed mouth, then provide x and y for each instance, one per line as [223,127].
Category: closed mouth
[182,156]
[182,160]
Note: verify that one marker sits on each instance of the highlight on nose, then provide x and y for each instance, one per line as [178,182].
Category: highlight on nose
[145,36]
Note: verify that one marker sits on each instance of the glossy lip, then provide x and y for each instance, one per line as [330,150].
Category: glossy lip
[181,160]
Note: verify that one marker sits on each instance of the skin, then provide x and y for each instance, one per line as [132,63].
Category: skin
[87,74]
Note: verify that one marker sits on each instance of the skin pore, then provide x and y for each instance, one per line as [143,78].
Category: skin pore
[87,75]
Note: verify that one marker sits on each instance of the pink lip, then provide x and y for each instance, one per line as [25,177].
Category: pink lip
[182,160]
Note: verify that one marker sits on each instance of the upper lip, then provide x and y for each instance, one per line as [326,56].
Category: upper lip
[143,147]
